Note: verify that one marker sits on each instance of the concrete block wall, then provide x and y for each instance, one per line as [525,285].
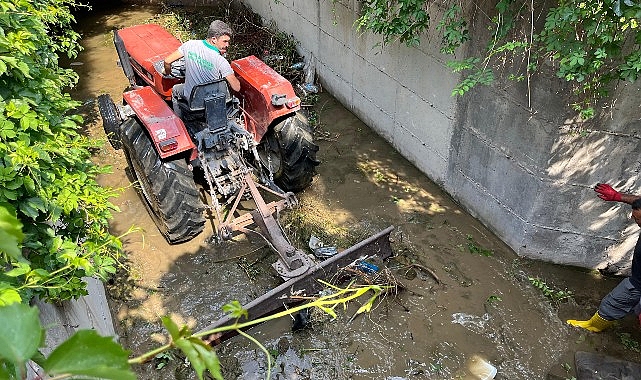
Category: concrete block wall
[386,88]
[519,163]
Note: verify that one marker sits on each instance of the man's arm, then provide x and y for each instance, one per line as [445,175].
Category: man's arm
[234,83]
[169,59]
[607,193]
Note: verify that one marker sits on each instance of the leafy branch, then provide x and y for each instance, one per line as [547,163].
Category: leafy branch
[88,354]
[593,44]
[47,180]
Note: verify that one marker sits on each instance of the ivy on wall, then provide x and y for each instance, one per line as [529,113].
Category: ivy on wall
[592,44]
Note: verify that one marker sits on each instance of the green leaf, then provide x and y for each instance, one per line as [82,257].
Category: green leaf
[189,349]
[9,296]
[235,309]
[10,232]
[172,327]
[328,310]
[20,269]
[211,360]
[20,333]
[89,354]
[201,356]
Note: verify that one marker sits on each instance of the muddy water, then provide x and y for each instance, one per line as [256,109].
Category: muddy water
[483,306]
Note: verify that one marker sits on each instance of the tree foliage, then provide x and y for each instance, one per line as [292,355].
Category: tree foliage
[48,187]
[592,44]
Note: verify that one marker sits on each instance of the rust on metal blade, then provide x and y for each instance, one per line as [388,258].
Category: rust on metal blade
[277,298]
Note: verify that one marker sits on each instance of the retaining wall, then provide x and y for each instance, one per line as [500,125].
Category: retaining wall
[510,153]
[62,320]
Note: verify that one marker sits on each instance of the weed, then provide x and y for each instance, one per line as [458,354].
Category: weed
[629,343]
[493,299]
[313,119]
[436,367]
[378,176]
[163,358]
[555,295]
[473,247]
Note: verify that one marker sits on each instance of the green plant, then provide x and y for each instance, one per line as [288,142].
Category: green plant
[47,181]
[163,358]
[493,299]
[404,20]
[555,295]
[629,343]
[473,247]
[88,355]
[592,43]
[85,354]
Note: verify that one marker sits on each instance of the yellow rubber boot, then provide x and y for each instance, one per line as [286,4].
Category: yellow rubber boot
[594,324]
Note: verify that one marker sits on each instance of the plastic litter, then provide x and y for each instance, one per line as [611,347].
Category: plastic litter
[311,88]
[366,267]
[481,368]
[297,66]
[319,249]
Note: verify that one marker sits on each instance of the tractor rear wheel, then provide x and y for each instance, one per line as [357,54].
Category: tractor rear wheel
[167,187]
[289,151]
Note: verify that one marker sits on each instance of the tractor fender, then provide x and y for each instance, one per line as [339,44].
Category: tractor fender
[167,131]
[267,95]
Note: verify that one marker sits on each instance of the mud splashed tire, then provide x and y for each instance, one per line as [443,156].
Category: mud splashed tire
[167,187]
[289,150]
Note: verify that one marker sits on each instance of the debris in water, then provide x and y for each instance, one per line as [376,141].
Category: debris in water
[319,249]
[481,368]
[366,267]
[301,320]
[471,322]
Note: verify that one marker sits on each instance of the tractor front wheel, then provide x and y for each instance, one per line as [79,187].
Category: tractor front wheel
[289,152]
[167,187]
[110,120]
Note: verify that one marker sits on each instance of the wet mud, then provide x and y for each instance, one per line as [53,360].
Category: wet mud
[482,306]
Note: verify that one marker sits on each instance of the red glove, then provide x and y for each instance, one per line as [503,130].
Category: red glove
[607,193]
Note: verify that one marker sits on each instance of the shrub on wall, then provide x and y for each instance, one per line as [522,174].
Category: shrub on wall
[592,44]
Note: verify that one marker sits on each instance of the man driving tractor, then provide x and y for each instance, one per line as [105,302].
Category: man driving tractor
[204,62]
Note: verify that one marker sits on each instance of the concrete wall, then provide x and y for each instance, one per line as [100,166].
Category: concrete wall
[527,173]
[62,320]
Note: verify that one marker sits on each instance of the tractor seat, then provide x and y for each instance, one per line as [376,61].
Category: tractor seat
[208,101]
[196,101]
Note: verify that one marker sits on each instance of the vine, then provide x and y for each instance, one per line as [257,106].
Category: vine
[592,44]
[404,20]
[47,181]
[89,355]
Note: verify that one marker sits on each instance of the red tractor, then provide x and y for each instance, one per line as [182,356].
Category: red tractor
[231,145]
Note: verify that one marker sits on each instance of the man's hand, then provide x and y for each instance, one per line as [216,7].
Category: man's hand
[607,193]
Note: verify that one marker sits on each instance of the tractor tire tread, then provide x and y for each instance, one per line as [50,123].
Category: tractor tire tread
[298,154]
[175,204]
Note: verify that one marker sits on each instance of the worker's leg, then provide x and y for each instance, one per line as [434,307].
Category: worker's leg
[620,301]
[617,304]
